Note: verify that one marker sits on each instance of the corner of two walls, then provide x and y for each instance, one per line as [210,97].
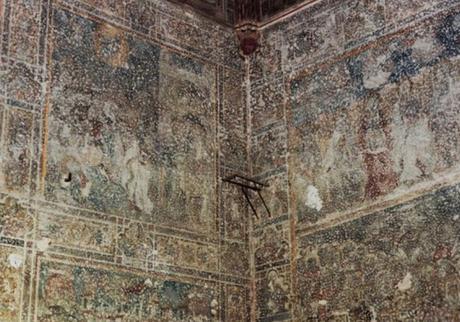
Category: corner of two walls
[355,124]
[118,120]
[353,110]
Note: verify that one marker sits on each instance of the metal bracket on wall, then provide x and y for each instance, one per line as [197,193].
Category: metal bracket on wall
[249,184]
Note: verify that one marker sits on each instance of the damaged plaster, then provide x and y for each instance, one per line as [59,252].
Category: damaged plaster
[118,120]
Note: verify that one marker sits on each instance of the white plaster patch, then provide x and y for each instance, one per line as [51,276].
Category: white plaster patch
[374,74]
[406,283]
[65,182]
[44,244]
[376,80]
[322,302]
[148,282]
[15,260]
[86,189]
[313,198]
[135,177]
[456,217]
[423,44]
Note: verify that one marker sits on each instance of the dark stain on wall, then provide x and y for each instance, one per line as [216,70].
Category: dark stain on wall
[371,124]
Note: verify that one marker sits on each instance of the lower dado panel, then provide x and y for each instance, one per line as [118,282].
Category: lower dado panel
[52,289]
[11,263]
[68,291]
[402,263]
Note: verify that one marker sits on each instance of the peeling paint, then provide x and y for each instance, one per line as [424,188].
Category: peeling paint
[15,260]
[406,283]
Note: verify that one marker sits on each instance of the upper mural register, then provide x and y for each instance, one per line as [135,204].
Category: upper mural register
[131,126]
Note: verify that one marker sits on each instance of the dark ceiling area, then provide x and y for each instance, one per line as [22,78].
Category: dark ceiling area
[234,12]
[221,11]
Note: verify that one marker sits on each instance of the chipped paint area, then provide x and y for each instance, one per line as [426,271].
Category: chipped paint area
[95,294]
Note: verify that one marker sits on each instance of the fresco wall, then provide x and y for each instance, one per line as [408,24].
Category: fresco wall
[355,125]
[118,119]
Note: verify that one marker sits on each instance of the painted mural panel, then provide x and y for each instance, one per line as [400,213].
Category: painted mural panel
[16,220]
[233,121]
[234,258]
[383,120]
[234,212]
[399,264]
[77,293]
[361,18]
[24,29]
[23,88]
[57,230]
[267,104]
[17,151]
[11,266]
[271,245]
[137,245]
[273,288]
[131,128]
[183,253]
[187,128]
[236,308]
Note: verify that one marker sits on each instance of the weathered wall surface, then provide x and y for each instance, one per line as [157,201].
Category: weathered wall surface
[397,264]
[118,119]
[355,123]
